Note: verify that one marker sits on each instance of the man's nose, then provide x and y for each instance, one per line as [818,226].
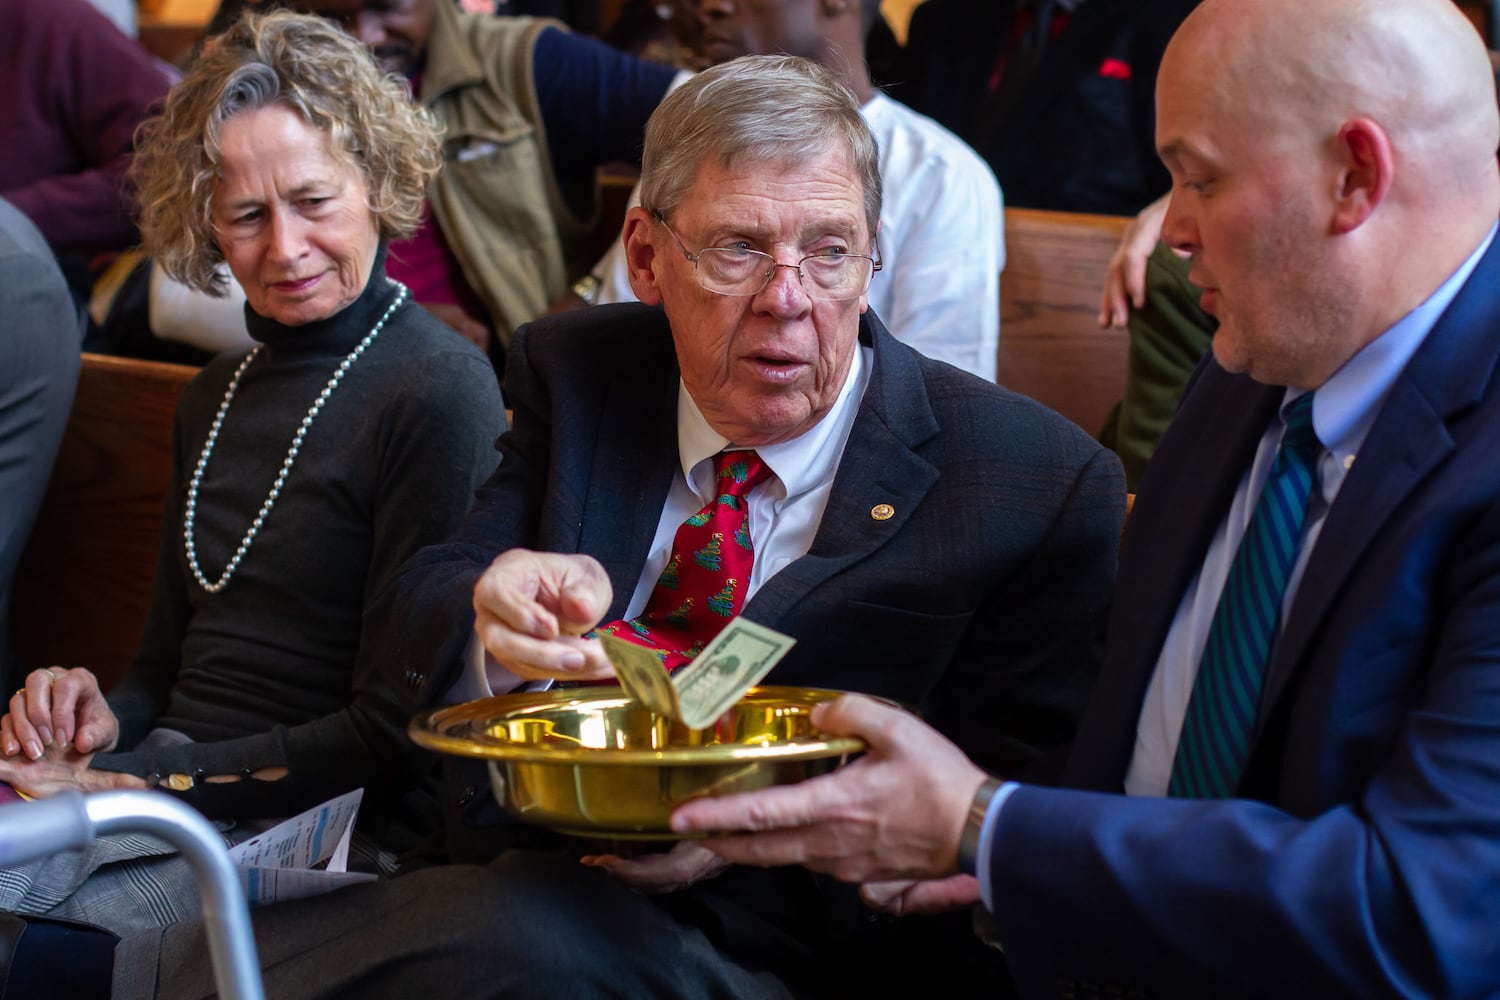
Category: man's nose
[784,295]
[1178,229]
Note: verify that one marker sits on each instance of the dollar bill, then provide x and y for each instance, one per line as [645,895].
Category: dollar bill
[729,666]
[738,658]
[641,675]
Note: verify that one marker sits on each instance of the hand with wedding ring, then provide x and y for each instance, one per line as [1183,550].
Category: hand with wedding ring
[58,707]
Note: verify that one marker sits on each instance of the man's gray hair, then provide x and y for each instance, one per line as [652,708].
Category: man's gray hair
[774,108]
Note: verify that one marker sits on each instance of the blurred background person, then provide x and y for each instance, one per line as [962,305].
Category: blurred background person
[76,88]
[942,237]
[1057,95]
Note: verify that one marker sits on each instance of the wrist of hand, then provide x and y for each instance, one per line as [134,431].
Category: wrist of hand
[968,841]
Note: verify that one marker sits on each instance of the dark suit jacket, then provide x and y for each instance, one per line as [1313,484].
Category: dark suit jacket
[1080,133]
[975,603]
[1363,856]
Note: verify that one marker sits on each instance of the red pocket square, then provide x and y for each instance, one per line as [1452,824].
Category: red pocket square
[1114,69]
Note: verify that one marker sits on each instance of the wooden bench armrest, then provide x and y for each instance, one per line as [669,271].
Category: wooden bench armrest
[83,586]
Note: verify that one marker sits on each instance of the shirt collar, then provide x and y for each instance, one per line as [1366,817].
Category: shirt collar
[1347,404]
[803,463]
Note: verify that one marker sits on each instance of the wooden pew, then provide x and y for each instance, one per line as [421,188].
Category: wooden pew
[1051,347]
[84,583]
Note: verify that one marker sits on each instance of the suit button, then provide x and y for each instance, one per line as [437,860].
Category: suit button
[466,796]
[414,679]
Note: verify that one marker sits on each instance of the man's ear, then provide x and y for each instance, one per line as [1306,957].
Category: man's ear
[1366,170]
[640,255]
[864,300]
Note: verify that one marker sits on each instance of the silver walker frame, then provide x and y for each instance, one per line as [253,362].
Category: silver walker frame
[29,830]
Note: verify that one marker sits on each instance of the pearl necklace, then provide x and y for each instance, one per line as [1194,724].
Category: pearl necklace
[190,514]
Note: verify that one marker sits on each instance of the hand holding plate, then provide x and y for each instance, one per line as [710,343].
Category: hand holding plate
[897,812]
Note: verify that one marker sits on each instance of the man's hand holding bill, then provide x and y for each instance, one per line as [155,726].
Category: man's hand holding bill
[532,608]
[872,820]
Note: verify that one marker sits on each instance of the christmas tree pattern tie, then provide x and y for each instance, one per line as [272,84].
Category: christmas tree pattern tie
[704,584]
[1221,712]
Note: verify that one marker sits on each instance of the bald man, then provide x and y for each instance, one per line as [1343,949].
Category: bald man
[1288,784]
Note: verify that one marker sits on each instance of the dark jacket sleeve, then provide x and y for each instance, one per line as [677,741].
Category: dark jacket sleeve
[423,620]
[594,100]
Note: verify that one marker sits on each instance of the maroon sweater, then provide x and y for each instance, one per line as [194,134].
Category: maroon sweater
[75,89]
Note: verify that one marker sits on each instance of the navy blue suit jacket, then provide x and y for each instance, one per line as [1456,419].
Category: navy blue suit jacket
[1362,857]
[975,603]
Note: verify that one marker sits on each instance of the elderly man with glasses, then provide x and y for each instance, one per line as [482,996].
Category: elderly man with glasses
[926,536]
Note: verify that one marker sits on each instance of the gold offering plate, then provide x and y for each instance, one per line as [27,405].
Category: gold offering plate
[592,762]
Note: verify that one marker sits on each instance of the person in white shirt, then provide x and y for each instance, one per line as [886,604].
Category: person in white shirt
[942,235]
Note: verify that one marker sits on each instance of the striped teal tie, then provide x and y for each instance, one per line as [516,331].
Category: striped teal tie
[1221,713]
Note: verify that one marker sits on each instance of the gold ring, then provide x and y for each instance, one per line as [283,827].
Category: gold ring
[50,674]
[20,691]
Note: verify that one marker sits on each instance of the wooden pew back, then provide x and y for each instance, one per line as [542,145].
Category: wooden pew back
[1051,347]
[84,583]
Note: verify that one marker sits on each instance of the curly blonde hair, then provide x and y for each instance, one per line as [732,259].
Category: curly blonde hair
[296,61]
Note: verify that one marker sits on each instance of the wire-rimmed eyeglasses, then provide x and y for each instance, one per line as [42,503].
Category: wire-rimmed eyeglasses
[831,275]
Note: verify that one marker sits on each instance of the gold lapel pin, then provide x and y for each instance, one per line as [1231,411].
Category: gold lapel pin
[882,512]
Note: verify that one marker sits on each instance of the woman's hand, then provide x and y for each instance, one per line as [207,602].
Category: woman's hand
[60,770]
[58,707]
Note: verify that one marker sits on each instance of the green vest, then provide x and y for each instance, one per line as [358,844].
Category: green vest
[496,200]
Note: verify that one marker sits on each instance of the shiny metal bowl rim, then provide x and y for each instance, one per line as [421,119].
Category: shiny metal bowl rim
[432,730]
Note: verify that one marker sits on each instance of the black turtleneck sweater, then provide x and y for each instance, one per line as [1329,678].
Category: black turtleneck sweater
[265,673]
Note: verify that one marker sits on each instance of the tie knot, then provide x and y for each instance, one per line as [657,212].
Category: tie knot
[738,472]
[1299,435]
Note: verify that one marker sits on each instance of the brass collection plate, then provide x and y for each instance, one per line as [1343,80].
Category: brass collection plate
[590,761]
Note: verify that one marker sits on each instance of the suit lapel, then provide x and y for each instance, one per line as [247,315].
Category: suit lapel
[1177,513]
[879,466]
[1410,438]
[1183,497]
[633,465]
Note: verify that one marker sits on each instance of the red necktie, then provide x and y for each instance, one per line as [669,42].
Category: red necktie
[704,584]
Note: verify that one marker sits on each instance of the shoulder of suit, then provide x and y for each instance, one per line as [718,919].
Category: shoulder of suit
[989,418]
